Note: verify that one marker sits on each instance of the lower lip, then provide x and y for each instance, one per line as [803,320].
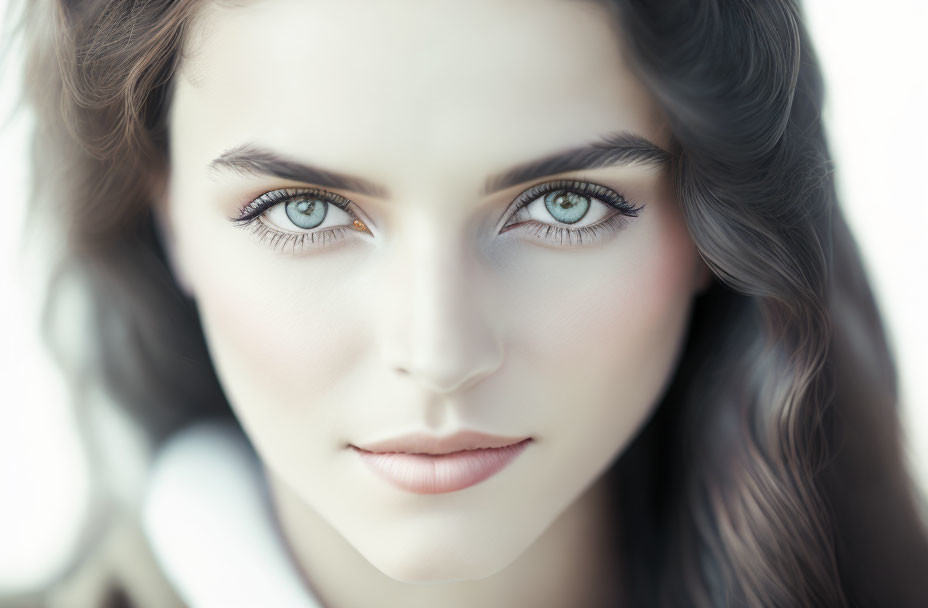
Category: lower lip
[438,473]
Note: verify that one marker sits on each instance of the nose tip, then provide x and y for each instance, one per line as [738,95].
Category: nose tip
[452,374]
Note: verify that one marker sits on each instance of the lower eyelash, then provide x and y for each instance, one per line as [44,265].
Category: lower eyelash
[592,234]
[297,241]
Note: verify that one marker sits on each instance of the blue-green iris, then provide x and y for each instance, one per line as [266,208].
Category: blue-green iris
[567,207]
[307,213]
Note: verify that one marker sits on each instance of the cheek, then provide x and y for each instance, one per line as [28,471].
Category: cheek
[610,329]
[278,330]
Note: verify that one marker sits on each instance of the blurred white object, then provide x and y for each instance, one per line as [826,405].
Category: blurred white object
[44,477]
[208,518]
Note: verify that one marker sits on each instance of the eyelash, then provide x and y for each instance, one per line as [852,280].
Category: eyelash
[252,212]
[251,215]
[611,225]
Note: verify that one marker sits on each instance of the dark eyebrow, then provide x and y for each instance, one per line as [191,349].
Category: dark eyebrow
[249,158]
[620,148]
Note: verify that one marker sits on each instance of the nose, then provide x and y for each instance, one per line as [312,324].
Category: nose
[437,326]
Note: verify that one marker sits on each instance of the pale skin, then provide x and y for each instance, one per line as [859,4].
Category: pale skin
[426,315]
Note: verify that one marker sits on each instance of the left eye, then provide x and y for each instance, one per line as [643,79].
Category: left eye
[567,208]
[584,213]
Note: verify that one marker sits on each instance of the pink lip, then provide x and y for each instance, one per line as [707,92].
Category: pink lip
[423,473]
[422,443]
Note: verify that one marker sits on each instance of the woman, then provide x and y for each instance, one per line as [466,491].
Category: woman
[588,255]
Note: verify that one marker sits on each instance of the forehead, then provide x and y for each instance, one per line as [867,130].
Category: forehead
[358,83]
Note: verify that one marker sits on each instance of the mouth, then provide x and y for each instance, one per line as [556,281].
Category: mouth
[423,443]
[436,473]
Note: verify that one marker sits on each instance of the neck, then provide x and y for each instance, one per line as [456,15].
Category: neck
[571,564]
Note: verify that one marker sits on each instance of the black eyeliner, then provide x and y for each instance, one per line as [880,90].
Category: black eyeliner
[267,200]
[586,188]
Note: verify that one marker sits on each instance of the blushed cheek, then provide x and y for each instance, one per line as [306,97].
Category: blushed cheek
[615,333]
[642,328]
[279,335]
[651,297]
[658,289]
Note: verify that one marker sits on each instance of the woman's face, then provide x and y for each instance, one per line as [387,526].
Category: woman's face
[444,308]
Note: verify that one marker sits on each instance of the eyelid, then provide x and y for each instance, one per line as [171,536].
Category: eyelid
[259,205]
[252,217]
[586,187]
[623,212]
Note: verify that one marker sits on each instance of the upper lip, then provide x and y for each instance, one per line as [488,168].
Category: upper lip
[423,443]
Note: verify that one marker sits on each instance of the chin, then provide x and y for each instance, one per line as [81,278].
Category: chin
[441,564]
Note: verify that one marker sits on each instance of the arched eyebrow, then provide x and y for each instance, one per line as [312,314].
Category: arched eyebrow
[614,149]
[249,158]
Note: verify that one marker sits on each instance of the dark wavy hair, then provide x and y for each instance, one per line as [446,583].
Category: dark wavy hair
[772,472]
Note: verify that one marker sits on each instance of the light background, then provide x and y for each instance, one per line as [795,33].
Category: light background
[873,59]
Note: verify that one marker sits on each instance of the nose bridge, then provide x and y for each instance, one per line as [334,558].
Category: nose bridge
[437,330]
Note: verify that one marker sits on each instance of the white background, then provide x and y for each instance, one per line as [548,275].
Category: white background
[873,56]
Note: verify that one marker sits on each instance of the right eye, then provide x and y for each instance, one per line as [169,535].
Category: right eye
[294,216]
[305,213]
